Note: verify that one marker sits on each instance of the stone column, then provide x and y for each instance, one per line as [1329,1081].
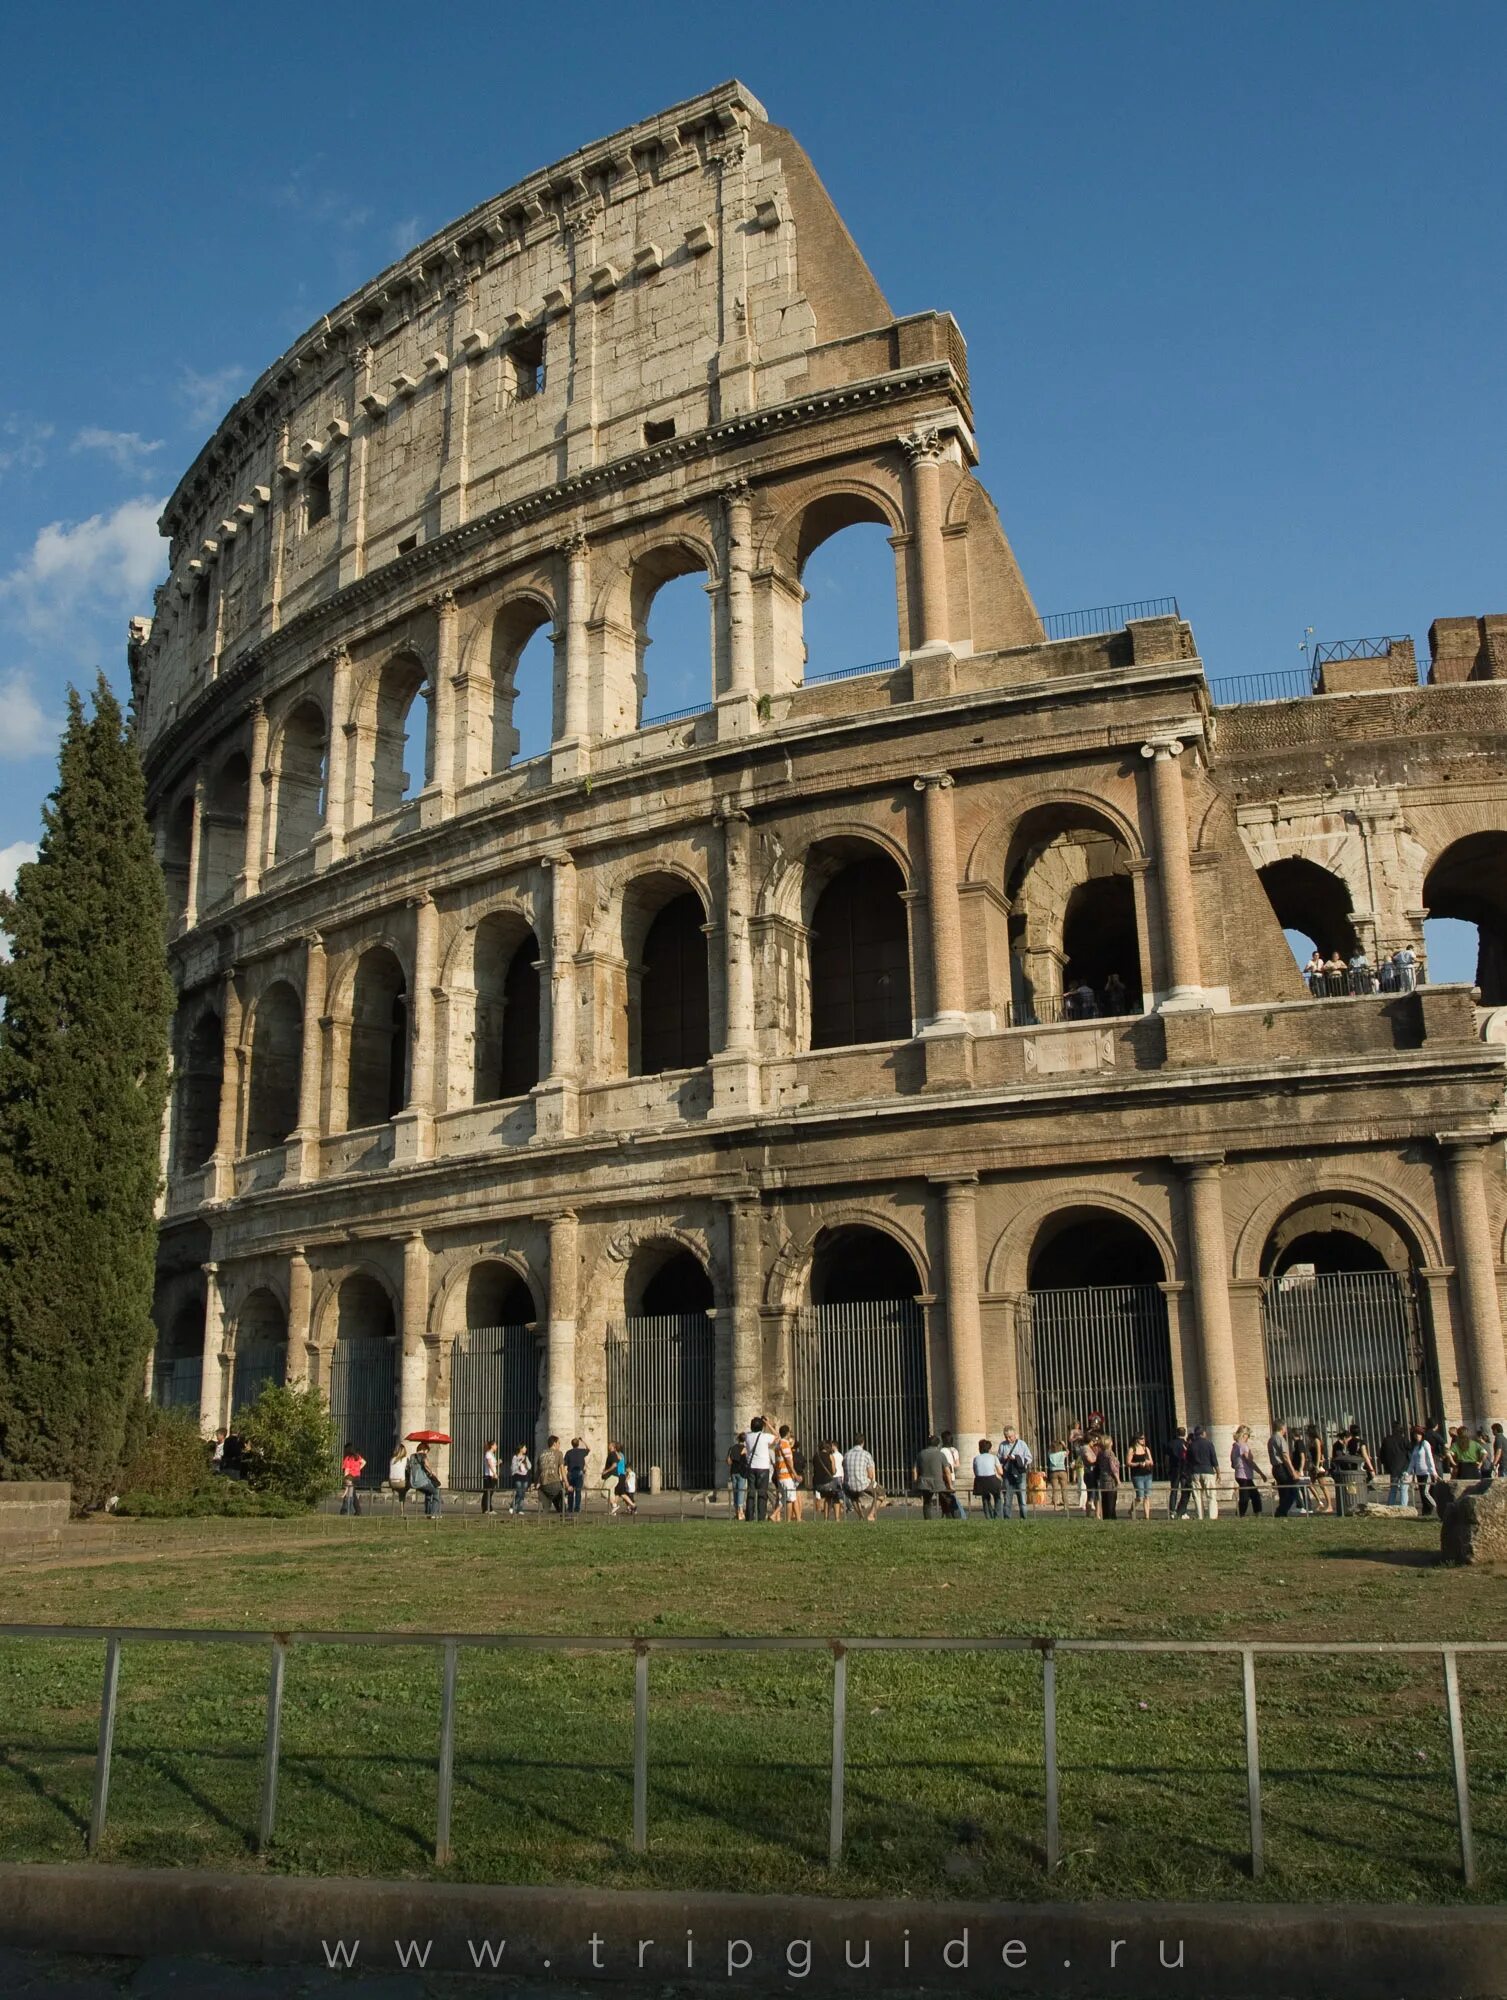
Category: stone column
[925,449]
[1475,1273]
[439,788]
[227,1130]
[737,705]
[195,858]
[413,1384]
[965,1338]
[212,1384]
[300,1327]
[1174,868]
[555,1100]
[944,918]
[746,1355]
[1208,1258]
[560,1356]
[571,752]
[329,842]
[413,1128]
[735,1067]
[256,805]
[311,1059]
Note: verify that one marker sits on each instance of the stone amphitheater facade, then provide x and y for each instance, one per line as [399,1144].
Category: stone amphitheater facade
[731,1062]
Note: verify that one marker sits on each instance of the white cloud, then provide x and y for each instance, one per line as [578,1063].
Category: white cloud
[83,569]
[326,206]
[11,859]
[127,448]
[25,729]
[403,235]
[206,398]
[23,443]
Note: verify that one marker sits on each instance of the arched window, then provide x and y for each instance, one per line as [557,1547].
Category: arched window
[178,1361]
[261,1348]
[1312,905]
[177,857]
[401,752]
[300,780]
[1467,885]
[860,955]
[222,838]
[507,1008]
[198,1089]
[850,616]
[494,1372]
[858,1351]
[523,683]
[1074,943]
[660,1388]
[276,1067]
[672,619]
[669,1026]
[379,1040]
[364,1375]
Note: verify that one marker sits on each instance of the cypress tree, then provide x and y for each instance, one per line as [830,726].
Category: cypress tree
[83,1085]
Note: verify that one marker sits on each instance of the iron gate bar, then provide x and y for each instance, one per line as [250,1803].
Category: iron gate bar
[641,1647]
[839,1751]
[273,1748]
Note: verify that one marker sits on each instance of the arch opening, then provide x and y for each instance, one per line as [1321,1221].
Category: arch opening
[523,683]
[276,1068]
[1468,885]
[261,1348]
[378,1088]
[495,1387]
[177,857]
[198,1089]
[1093,1338]
[178,1361]
[669,1005]
[364,1374]
[1340,1324]
[660,1359]
[507,1008]
[1075,945]
[850,616]
[402,752]
[673,618]
[222,837]
[1312,904]
[858,1351]
[301,758]
[859,950]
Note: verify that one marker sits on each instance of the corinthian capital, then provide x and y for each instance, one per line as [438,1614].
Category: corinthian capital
[925,445]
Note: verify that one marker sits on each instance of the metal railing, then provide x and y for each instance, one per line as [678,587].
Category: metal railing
[450,1645]
[851,673]
[1103,618]
[1051,1010]
[1359,649]
[675,714]
[1357,982]
[1285,684]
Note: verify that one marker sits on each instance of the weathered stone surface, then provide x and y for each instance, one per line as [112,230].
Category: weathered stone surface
[32,1511]
[1474,1530]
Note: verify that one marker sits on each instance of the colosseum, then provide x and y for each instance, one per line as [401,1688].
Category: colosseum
[882,1045]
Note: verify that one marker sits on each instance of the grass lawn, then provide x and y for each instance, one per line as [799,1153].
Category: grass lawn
[944,1793]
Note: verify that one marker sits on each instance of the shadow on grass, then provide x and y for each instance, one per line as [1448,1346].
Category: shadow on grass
[1389,1558]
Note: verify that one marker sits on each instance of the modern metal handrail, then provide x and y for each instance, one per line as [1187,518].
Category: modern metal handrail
[1280,684]
[675,714]
[850,673]
[1106,617]
[451,1644]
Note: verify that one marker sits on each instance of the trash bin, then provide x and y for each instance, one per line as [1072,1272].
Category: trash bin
[1349,1490]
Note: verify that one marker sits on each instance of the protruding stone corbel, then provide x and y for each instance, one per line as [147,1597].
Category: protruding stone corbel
[700,239]
[603,281]
[556,302]
[474,344]
[336,429]
[403,385]
[768,213]
[374,404]
[437,364]
[648,260]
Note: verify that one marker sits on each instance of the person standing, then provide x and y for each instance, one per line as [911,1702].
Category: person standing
[1499,1451]
[576,1461]
[1394,1452]
[1179,1479]
[520,1466]
[1203,1471]
[1057,1474]
[397,1472]
[1014,1465]
[1313,972]
[1107,1467]
[352,1465]
[859,1479]
[760,1466]
[488,1474]
[1141,1466]
[613,1469]
[787,1475]
[1284,1473]
[952,1506]
[931,1477]
[737,1474]
[988,1481]
[1247,1472]
[626,1491]
[1424,1469]
[552,1474]
[826,1480]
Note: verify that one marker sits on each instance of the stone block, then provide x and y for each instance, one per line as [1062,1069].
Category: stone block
[1473,1528]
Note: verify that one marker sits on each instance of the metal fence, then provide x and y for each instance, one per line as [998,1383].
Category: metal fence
[661,1398]
[1097,1347]
[675,714]
[1386,975]
[1344,1348]
[1049,1010]
[1359,649]
[860,1371]
[255,1367]
[449,1646]
[851,673]
[1284,684]
[1106,617]
[494,1394]
[176,1385]
[364,1399]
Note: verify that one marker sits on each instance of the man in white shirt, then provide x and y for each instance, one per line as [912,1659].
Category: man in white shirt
[859,1479]
[760,1464]
[1014,1464]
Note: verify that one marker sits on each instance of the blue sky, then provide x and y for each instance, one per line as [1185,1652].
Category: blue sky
[1234,280]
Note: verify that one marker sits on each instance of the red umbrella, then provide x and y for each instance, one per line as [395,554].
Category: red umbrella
[428,1437]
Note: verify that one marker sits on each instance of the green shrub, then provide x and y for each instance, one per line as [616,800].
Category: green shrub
[219,1497]
[169,1458]
[288,1440]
